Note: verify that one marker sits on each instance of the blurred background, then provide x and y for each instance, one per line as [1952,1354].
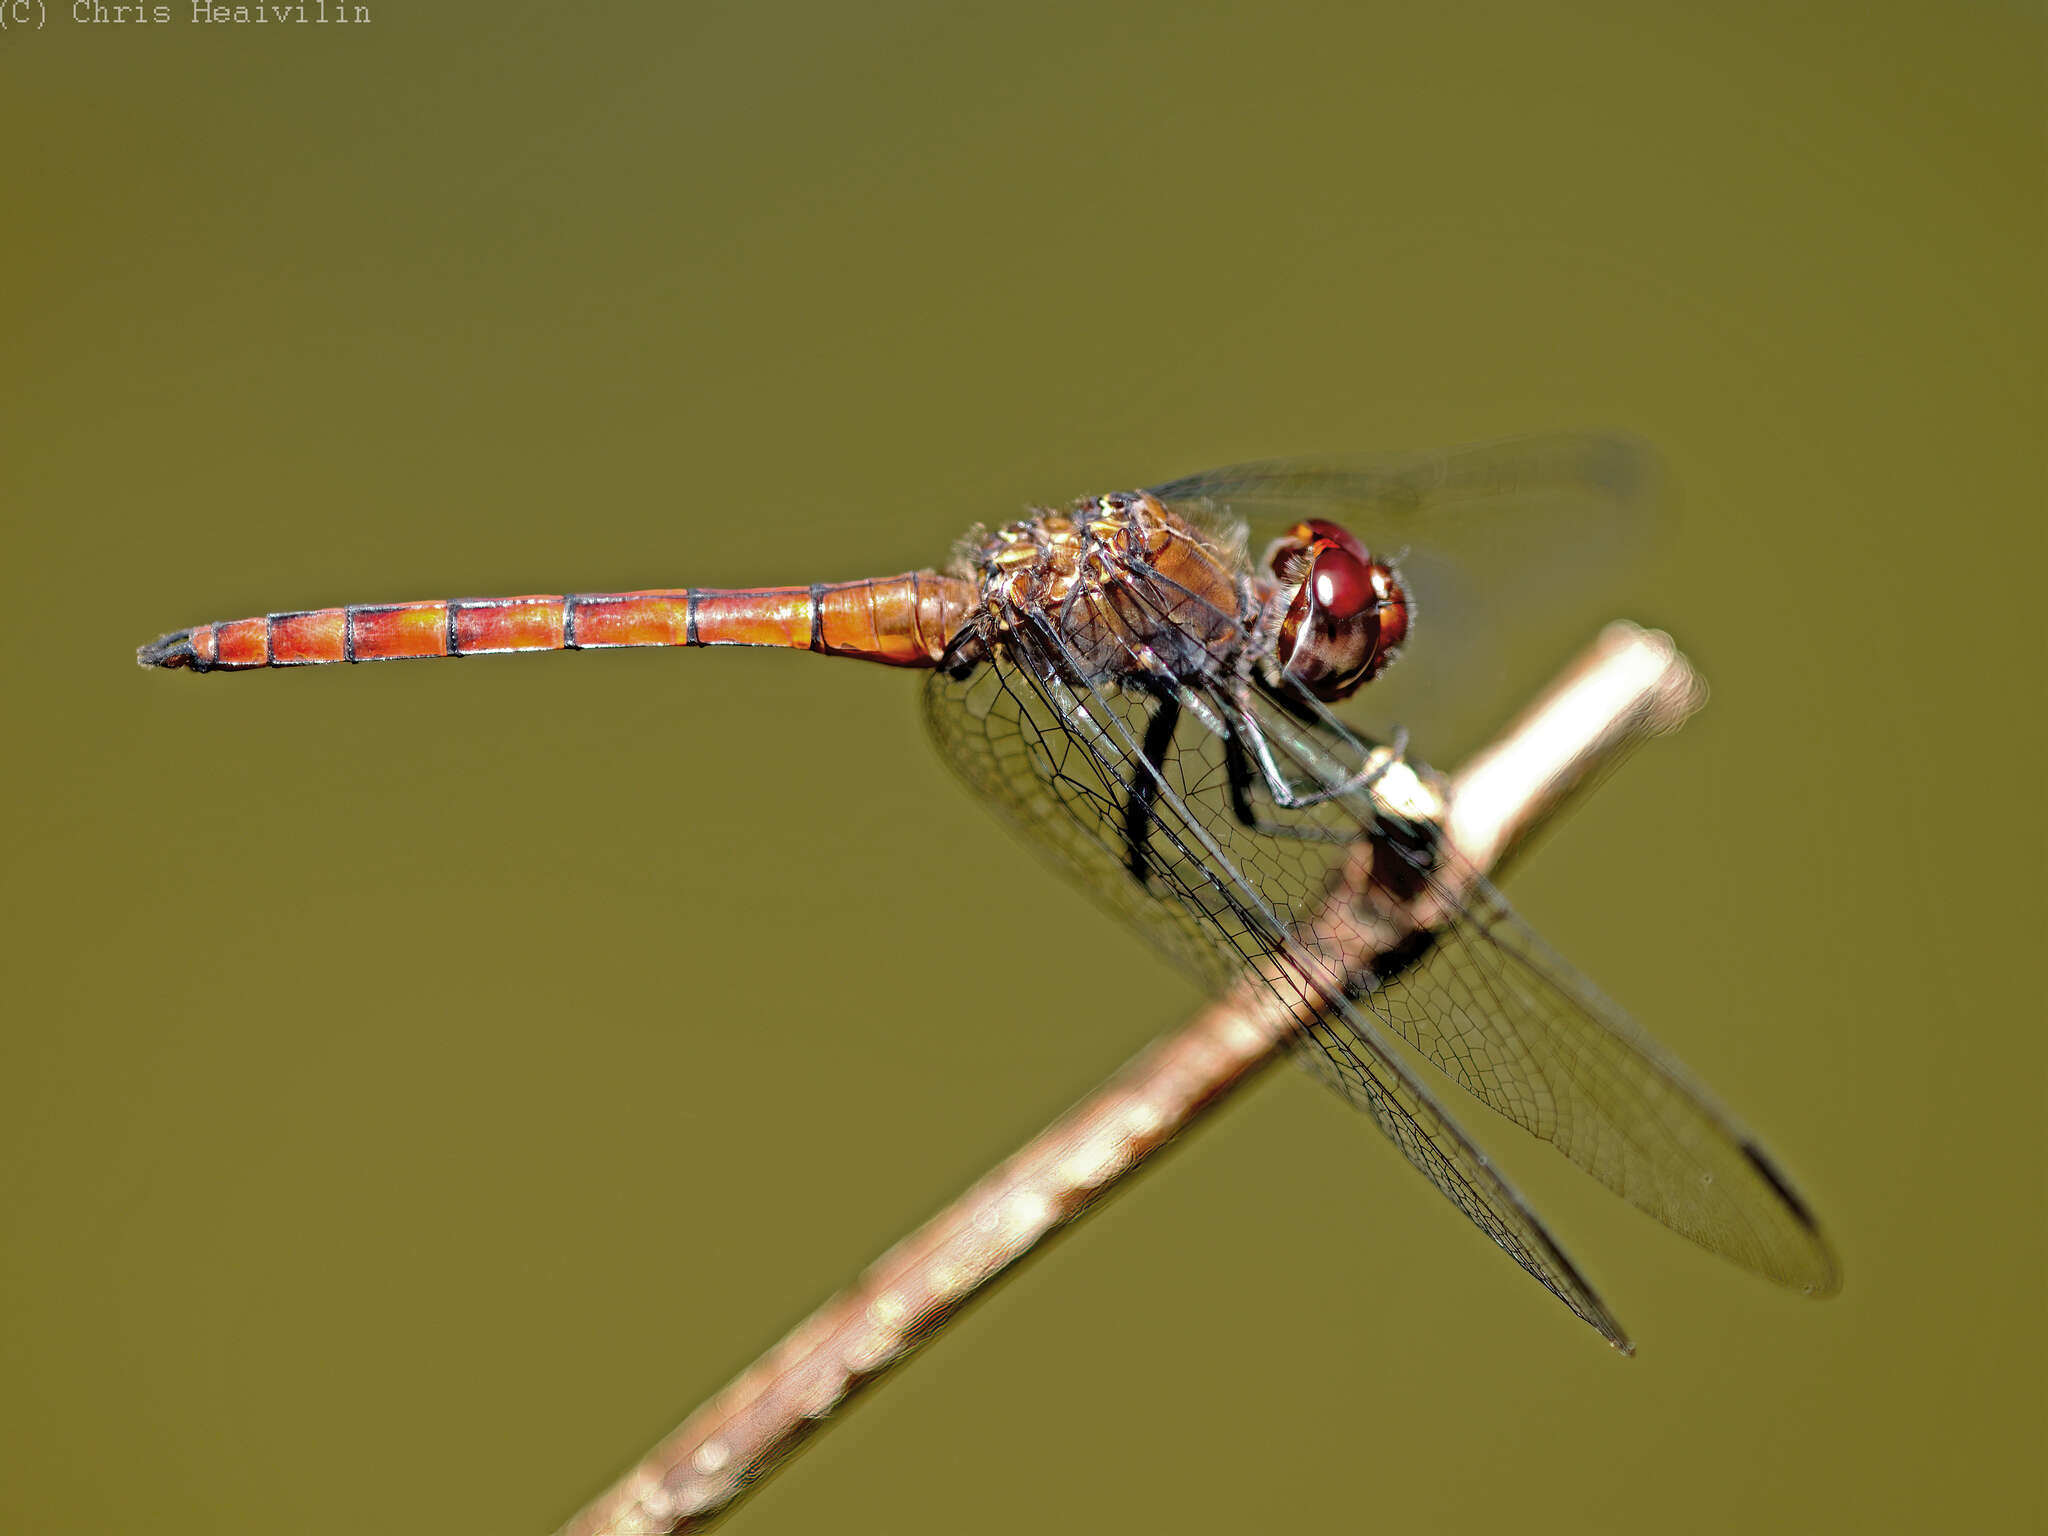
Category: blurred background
[422,1085]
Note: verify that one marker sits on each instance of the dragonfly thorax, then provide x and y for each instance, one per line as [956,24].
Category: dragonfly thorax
[1132,591]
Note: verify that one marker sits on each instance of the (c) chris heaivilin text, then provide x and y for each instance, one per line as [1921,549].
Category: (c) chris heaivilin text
[298,13]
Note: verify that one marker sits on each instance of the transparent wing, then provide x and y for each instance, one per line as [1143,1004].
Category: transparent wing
[1518,1028]
[1065,760]
[1398,490]
[1511,551]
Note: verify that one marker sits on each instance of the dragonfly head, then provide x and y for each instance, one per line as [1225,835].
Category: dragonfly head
[1348,614]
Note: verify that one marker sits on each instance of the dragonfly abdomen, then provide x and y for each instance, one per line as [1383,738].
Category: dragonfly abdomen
[900,621]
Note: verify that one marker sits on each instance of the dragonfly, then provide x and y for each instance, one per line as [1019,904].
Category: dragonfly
[1155,709]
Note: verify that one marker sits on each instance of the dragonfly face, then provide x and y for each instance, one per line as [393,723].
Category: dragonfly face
[1348,614]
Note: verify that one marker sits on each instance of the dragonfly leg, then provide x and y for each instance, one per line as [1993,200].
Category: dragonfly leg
[1237,769]
[1138,805]
[1286,796]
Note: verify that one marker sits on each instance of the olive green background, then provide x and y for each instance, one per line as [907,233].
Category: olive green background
[422,1085]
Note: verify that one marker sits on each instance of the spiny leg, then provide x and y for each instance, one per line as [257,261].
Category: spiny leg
[1237,769]
[1284,794]
[1145,787]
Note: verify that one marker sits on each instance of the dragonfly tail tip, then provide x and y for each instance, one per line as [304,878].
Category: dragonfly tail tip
[172,650]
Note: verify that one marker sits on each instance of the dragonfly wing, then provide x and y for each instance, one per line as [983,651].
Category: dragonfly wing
[1508,550]
[1401,491]
[1063,759]
[998,731]
[1513,1024]
[1346,1056]
[1516,1026]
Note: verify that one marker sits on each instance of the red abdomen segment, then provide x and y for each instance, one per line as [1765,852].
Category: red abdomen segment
[901,621]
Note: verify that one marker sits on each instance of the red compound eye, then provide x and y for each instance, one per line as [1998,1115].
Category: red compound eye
[1342,586]
[1349,615]
[1288,557]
